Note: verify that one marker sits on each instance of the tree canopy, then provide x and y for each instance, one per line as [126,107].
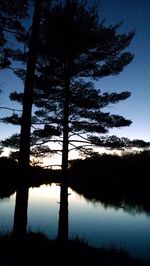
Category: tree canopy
[75,48]
[11,16]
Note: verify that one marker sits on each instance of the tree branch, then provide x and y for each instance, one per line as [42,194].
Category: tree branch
[79,147]
[11,109]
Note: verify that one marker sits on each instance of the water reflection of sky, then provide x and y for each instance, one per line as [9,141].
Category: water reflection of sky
[43,209]
[92,222]
[110,227]
[6,214]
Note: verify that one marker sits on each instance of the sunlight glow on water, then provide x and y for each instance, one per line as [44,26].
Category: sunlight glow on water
[45,192]
[95,224]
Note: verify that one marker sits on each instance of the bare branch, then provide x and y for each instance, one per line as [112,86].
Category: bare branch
[79,147]
[79,135]
[11,109]
[80,141]
[44,142]
[52,165]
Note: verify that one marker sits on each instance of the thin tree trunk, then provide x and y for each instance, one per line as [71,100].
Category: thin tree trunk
[20,215]
[63,212]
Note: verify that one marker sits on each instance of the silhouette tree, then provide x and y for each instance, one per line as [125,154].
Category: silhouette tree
[8,17]
[11,14]
[78,47]
[75,49]
[20,217]
[69,58]
[68,55]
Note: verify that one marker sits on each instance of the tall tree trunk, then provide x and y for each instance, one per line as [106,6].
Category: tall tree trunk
[66,122]
[63,215]
[20,215]
[63,212]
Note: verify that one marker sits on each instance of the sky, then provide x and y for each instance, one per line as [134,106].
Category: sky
[134,78]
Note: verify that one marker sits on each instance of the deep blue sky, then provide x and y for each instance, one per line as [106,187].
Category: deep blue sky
[135,14]
[134,78]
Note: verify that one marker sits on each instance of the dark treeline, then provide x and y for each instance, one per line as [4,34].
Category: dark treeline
[111,179]
[67,48]
[10,177]
[58,50]
[121,181]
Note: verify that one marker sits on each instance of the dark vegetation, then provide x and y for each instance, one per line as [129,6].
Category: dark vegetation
[37,249]
[11,176]
[62,64]
[8,177]
[58,58]
[113,180]
[121,181]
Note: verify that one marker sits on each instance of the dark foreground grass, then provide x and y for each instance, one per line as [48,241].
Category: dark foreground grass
[36,249]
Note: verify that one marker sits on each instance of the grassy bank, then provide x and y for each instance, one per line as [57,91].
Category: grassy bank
[36,249]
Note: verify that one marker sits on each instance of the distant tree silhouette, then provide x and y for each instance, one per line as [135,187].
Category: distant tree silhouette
[121,181]
[7,183]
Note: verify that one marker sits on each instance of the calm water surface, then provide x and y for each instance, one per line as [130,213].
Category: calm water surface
[97,225]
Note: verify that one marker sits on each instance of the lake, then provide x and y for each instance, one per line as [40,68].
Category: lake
[93,222]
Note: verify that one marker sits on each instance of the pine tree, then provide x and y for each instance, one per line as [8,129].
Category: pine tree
[11,15]
[70,58]
[75,48]
[8,21]
[20,218]
[78,49]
